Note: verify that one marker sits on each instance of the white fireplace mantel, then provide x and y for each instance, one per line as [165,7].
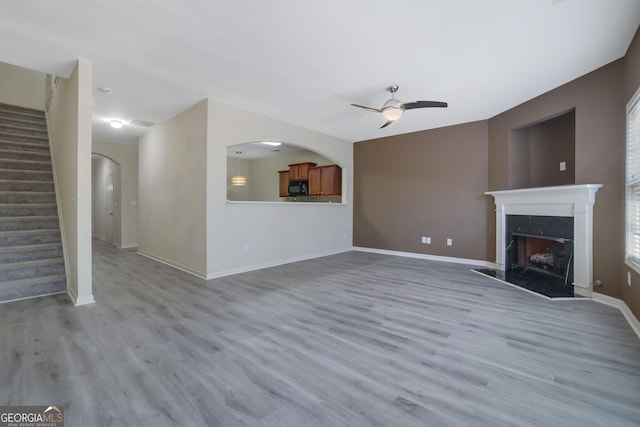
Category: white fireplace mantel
[568,200]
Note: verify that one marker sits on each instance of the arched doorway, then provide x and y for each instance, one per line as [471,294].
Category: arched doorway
[105,199]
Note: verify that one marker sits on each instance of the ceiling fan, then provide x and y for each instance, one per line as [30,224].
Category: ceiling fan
[393,109]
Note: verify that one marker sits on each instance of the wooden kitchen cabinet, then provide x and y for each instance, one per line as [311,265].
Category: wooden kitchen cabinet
[300,171]
[325,180]
[284,183]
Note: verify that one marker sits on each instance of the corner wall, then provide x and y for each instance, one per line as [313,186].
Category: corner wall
[69,120]
[172,174]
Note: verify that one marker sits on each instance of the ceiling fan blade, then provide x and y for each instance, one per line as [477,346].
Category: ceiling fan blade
[387,124]
[424,104]
[375,110]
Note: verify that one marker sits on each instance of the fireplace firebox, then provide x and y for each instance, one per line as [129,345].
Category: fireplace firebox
[539,253]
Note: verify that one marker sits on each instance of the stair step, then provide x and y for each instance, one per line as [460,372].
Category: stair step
[28,209]
[17,223]
[26,121]
[32,268]
[29,237]
[25,185]
[32,287]
[31,165]
[9,254]
[24,146]
[26,175]
[29,197]
[37,156]
[14,110]
[6,126]
[20,137]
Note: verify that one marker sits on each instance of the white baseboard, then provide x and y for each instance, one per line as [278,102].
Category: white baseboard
[244,268]
[475,262]
[128,245]
[622,306]
[171,264]
[275,263]
[78,301]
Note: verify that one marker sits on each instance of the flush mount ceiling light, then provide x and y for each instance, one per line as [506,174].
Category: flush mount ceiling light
[272,143]
[117,124]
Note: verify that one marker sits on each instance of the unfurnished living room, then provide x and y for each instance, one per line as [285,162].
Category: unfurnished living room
[336,213]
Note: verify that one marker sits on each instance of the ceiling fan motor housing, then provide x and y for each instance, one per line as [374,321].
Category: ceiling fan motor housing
[392,109]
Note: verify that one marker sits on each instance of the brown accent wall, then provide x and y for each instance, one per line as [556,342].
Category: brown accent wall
[599,156]
[631,294]
[428,183]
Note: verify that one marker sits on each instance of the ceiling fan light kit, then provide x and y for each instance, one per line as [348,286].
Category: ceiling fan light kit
[393,109]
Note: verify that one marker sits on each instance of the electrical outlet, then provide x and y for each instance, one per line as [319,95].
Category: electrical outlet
[424,239]
[449,242]
[563,166]
[428,240]
[246,247]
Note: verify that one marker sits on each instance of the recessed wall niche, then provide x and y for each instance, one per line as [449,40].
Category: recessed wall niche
[543,154]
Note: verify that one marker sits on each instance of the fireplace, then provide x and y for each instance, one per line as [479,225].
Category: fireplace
[545,235]
[539,253]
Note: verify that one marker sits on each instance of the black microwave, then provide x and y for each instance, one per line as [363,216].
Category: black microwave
[298,188]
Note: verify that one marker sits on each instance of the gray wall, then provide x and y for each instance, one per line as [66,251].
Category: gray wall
[22,87]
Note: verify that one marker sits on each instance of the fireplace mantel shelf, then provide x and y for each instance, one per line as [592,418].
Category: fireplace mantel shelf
[568,200]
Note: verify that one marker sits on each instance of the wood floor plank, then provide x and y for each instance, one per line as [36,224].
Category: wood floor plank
[355,339]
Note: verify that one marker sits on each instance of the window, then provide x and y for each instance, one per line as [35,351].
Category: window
[633,182]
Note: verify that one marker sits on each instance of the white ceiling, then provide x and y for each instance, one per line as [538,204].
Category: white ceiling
[304,62]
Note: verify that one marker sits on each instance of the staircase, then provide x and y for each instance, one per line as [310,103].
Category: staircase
[31,257]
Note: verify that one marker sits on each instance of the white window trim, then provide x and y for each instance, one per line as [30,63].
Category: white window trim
[633,103]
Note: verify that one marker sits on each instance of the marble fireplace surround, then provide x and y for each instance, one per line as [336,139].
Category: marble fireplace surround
[568,200]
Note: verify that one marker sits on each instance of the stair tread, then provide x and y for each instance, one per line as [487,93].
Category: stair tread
[34,231]
[35,280]
[25,170]
[21,181]
[28,218]
[28,144]
[15,151]
[33,247]
[32,263]
[38,162]
[25,193]
[44,204]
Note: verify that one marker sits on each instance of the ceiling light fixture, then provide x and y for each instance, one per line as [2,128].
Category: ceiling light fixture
[273,144]
[239,180]
[117,124]
[392,109]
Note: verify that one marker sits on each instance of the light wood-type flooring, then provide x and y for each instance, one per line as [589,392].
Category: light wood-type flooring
[355,339]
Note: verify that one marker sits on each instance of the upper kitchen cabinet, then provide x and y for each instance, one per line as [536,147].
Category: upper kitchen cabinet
[300,171]
[325,180]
